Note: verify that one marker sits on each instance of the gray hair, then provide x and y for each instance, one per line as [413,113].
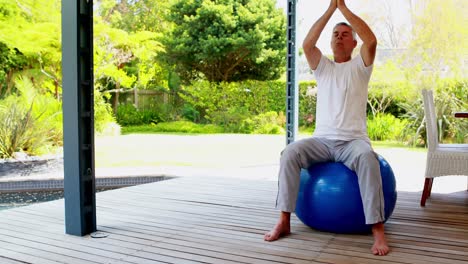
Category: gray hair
[348,25]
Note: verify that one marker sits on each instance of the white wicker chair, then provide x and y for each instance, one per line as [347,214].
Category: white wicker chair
[442,159]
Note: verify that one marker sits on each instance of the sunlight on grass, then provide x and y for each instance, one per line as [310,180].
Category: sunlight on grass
[200,150]
[395,144]
[177,127]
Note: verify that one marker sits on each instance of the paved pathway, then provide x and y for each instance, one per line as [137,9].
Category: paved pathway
[237,156]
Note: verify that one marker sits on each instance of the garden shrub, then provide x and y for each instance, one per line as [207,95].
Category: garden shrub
[229,104]
[31,122]
[238,108]
[27,127]
[17,131]
[267,123]
[269,129]
[103,117]
[450,96]
[129,115]
[230,119]
[386,97]
[174,127]
[216,102]
[307,103]
[190,113]
[384,127]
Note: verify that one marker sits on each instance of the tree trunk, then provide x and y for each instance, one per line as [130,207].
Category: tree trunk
[56,89]
[116,97]
[9,82]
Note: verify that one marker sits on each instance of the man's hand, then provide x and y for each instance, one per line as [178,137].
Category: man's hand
[312,53]
[368,38]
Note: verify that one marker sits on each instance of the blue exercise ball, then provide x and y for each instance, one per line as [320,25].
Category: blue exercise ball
[329,199]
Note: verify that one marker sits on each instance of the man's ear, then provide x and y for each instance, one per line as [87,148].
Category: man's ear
[355,43]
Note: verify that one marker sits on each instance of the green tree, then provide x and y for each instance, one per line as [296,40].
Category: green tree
[32,29]
[227,40]
[438,44]
[125,60]
[11,60]
[135,15]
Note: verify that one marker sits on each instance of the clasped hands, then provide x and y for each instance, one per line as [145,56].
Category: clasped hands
[337,4]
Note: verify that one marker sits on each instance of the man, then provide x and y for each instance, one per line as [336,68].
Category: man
[341,132]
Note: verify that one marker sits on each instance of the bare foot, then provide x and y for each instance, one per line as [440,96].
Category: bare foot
[380,246]
[282,228]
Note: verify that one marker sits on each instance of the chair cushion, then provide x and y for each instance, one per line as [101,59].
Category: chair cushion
[453,148]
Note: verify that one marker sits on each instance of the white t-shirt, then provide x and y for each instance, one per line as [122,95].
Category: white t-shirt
[342,99]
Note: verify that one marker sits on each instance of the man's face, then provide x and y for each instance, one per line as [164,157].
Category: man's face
[342,40]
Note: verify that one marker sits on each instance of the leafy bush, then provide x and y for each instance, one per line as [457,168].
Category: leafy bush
[268,123]
[307,103]
[269,129]
[103,117]
[230,119]
[384,127]
[21,130]
[30,122]
[16,126]
[217,102]
[190,113]
[449,96]
[307,129]
[129,115]
[228,104]
[385,97]
[238,108]
[174,127]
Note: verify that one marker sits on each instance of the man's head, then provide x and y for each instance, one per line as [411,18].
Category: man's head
[343,41]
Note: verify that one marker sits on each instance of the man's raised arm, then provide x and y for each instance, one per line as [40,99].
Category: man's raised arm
[368,38]
[313,54]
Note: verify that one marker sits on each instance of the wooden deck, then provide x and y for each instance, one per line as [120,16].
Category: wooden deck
[210,220]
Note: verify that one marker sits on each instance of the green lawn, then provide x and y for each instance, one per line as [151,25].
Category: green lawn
[199,150]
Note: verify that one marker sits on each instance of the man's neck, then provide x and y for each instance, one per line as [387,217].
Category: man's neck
[341,58]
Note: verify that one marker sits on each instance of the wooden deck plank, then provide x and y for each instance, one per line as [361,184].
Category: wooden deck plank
[38,253]
[10,261]
[128,252]
[21,257]
[147,232]
[210,220]
[164,224]
[95,254]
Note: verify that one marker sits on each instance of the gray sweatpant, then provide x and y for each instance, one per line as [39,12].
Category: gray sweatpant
[357,155]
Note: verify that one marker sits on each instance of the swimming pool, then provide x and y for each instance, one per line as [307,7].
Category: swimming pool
[17,199]
[49,190]
[10,200]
